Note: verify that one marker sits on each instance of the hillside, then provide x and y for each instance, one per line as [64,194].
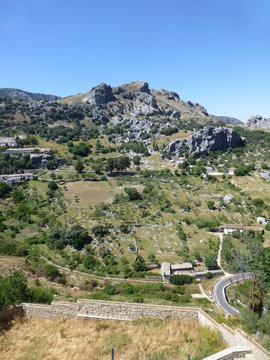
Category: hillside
[123,179]
[10,93]
[230,120]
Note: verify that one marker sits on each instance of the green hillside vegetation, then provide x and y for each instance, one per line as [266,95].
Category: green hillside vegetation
[110,204]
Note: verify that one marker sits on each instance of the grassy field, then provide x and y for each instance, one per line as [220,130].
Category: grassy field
[33,339]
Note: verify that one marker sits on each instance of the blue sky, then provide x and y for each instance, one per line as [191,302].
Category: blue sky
[215,52]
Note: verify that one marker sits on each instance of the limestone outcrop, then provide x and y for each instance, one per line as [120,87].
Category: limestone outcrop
[207,139]
[99,95]
[259,121]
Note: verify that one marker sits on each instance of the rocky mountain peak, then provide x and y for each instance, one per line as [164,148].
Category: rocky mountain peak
[98,95]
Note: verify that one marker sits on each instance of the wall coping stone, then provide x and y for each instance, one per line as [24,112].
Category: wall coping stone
[230,353]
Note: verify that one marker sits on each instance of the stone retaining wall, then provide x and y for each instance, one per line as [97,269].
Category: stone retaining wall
[109,310]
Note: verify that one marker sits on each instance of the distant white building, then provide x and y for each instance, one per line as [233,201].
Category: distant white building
[230,228]
[27,150]
[8,142]
[15,178]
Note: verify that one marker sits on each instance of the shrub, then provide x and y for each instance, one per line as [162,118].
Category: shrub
[5,189]
[209,275]
[211,262]
[40,295]
[180,279]
[52,272]
[13,289]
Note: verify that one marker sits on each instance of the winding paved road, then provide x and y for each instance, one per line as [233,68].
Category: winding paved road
[220,291]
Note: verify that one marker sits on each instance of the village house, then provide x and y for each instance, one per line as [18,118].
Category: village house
[230,228]
[8,142]
[15,178]
[27,150]
[167,269]
[181,268]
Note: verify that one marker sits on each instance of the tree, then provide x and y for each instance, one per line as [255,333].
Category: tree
[100,231]
[180,279]
[211,262]
[132,194]
[77,236]
[52,186]
[122,163]
[253,259]
[13,289]
[110,166]
[79,167]
[211,205]
[139,264]
[81,149]
[17,195]
[136,160]
[5,189]
[52,272]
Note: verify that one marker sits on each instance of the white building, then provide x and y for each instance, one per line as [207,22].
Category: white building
[229,228]
[8,142]
[15,178]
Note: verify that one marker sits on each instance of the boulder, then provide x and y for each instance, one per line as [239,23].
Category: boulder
[228,198]
[207,139]
[262,220]
[148,99]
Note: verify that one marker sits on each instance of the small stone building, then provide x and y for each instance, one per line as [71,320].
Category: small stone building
[167,269]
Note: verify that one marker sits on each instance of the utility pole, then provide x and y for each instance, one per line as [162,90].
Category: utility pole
[112,353]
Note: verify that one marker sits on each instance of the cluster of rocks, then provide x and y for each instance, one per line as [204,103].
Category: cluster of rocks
[207,139]
[135,101]
[259,121]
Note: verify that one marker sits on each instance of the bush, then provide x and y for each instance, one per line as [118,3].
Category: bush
[40,295]
[209,275]
[5,189]
[180,279]
[13,289]
[52,272]
[132,194]
[211,262]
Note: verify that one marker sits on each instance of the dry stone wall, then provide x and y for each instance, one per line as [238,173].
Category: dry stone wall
[109,310]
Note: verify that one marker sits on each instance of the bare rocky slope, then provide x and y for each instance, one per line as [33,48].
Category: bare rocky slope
[207,139]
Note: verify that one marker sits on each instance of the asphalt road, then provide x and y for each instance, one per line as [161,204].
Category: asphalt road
[220,291]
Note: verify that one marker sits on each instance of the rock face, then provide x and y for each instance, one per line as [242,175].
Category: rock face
[207,139]
[259,121]
[99,95]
